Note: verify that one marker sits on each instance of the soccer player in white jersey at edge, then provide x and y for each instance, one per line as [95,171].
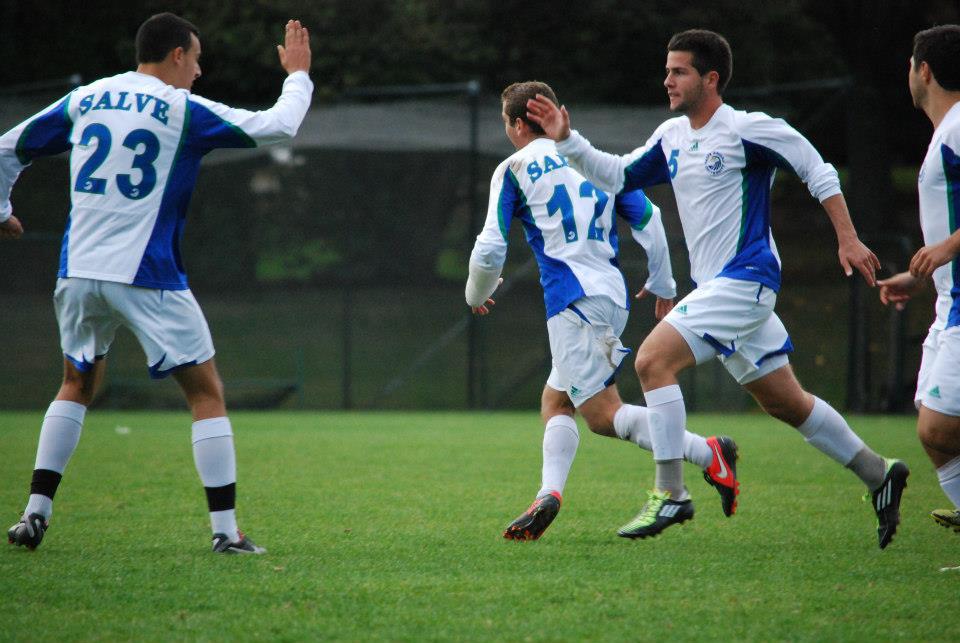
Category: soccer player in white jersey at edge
[721,163]
[571,228]
[934,80]
[135,142]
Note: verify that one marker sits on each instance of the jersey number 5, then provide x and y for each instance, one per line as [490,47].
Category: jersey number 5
[143,161]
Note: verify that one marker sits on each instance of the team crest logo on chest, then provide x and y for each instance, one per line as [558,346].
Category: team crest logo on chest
[714,163]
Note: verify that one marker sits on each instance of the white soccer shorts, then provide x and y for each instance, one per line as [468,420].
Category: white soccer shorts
[586,348]
[733,320]
[168,324]
[938,384]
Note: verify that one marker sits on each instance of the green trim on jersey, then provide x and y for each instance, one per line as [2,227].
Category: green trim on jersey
[647,215]
[744,186]
[501,221]
[952,186]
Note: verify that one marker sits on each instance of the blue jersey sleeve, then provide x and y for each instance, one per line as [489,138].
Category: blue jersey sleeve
[635,208]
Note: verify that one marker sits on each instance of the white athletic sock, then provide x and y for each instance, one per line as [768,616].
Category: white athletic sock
[667,437]
[696,450]
[632,424]
[826,430]
[949,476]
[59,436]
[216,463]
[560,441]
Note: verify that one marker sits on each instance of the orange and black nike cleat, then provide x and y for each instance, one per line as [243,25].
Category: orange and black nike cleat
[722,472]
[531,524]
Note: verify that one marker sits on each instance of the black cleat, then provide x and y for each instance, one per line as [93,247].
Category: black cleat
[886,500]
[531,524]
[722,472]
[28,532]
[223,545]
[657,514]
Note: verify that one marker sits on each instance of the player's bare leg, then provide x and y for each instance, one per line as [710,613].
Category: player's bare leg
[940,436]
[213,454]
[59,436]
[780,394]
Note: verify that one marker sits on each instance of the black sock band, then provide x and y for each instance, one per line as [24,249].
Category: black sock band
[222,498]
[45,482]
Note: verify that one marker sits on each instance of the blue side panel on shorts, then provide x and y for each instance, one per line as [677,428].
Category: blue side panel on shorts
[81,364]
[783,350]
[724,350]
[754,259]
[613,376]
[649,169]
[951,170]
[46,135]
[157,374]
[64,249]
[560,285]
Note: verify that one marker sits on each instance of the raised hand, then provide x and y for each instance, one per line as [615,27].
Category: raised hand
[295,51]
[554,120]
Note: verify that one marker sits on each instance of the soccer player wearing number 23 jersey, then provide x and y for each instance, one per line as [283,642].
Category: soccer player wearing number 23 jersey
[135,143]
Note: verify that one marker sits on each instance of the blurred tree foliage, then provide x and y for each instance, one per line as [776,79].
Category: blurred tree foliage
[603,51]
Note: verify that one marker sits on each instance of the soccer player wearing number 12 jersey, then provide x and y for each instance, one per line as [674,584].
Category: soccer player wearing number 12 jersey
[571,228]
[721,163]
[135,143]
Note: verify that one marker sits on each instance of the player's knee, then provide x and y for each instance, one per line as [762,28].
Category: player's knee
[648,365]
[939,438]
[77,388]
[599,419]
[551,409]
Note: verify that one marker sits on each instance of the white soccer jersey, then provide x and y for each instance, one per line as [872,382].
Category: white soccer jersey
[135,148]
[570,226]
[939,187]
[721,175]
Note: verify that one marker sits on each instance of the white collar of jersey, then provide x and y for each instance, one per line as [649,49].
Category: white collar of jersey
[720,116]
[952,116]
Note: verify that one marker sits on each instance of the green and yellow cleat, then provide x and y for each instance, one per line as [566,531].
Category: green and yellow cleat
[949,518]
[657,514]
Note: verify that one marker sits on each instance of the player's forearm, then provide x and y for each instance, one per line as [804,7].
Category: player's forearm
[836,209]
[482,281]
[10,168]
[602,169]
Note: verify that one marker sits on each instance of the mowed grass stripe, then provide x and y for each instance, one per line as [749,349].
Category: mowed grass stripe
[387,526]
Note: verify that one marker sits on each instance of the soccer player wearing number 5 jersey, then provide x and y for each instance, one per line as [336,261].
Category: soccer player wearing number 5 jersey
[135,143]
[721,163]
[571,228]
[934,80]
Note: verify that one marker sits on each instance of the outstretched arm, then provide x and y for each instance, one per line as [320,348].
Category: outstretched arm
[215,125]
[646,226]
[643,167]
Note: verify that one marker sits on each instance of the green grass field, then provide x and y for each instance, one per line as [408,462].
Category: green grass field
[387,526]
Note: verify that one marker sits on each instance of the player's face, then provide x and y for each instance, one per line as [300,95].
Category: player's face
[683,82]
[918,91]
[188,67]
